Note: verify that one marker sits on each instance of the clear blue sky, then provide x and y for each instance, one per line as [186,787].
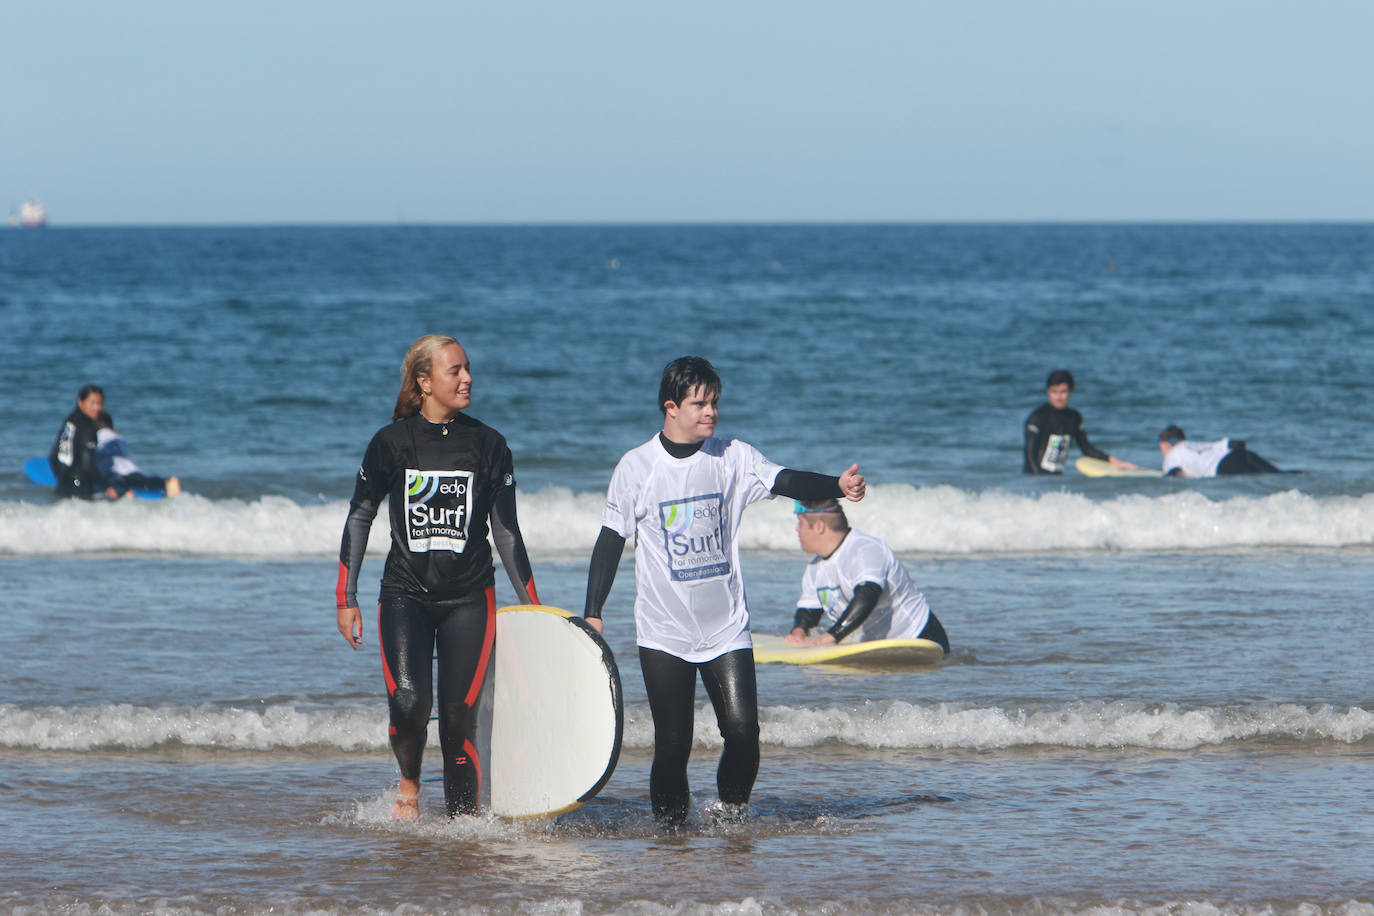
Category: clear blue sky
[202,111]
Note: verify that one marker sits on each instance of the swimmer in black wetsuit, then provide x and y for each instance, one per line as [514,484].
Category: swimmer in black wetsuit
[73,454]
[448,477]
[1053,425]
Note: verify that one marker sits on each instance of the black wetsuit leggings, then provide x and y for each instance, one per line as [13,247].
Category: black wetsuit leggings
[122,485]
[672,685]
[461,630]
[1243,461]
[935,631]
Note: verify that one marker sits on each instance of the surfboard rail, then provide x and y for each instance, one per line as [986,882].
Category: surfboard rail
[1096,467]
[877,653]
[551,719]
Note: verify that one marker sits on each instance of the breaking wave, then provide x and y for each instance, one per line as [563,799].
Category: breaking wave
[889,724]
[556,521]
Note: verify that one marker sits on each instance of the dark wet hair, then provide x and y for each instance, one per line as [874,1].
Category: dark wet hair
[1172,434]
[682,376]
[1060,377]
[88,390]
[104,421]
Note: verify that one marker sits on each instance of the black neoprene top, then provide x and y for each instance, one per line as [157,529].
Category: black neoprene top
[449,485]
[1049,426]
[73,457]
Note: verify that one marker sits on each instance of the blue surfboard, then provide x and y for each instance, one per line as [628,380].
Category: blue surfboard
[38,471]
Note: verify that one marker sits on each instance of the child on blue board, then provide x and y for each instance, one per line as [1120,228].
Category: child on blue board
[120,475]
[1054,426]
[681,495]
[856,584]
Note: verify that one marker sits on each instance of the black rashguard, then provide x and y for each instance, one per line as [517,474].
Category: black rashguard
[449,484]
[73,457]
[1048,433]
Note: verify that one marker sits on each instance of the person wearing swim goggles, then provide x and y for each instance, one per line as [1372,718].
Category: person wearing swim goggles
[856,583]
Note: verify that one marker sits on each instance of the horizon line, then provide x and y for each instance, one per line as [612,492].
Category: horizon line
[703,223]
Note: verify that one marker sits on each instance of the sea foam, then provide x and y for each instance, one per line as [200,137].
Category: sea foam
[876,725]
[557,521]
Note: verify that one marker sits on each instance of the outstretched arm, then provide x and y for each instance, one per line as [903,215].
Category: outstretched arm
[808,485]
[1092,451]
[601,574]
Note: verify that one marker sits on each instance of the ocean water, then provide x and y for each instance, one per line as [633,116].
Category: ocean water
[1159,698]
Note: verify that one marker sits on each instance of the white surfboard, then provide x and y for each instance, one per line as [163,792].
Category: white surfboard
[1096,467]
[551,715]
[878,653]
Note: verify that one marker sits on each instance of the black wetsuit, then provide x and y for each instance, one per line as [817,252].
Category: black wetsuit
[73,458]
[671,684]
[1241,460]
[1049,429]
[671,681]
[438,589]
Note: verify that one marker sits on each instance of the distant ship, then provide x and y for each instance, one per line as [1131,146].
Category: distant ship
[32,215]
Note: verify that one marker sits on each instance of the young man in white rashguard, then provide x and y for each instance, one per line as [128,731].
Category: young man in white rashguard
[1220,458]
[856,584]
[681,495]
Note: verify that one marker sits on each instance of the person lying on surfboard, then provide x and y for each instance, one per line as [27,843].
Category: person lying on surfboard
[117,469]
[1183,458]
[1053,425]
[856,584]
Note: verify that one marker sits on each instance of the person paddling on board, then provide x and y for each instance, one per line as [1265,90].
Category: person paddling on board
[856,584]
[117,470]
[450,479]
[1053,425]
[1224,457]
[73,454]
[681,495]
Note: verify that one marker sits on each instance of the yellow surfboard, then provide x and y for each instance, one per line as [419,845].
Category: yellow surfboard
[1095,467]
[876,653]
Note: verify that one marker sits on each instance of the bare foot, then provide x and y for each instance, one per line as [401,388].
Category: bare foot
[406,808]
[173,486]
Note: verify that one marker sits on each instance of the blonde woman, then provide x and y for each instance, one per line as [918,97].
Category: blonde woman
[451,480]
